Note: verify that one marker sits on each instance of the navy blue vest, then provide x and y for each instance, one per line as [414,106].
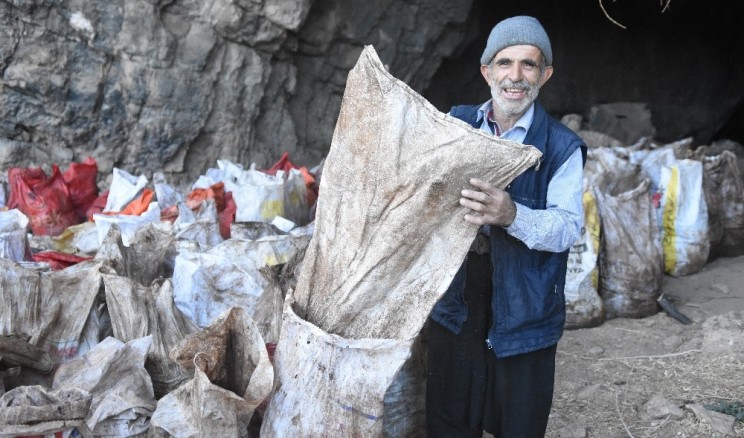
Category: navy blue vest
[528,304]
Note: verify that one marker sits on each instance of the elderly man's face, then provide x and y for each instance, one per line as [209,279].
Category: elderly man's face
[515,77]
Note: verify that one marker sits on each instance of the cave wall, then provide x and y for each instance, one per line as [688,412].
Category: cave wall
[174,85]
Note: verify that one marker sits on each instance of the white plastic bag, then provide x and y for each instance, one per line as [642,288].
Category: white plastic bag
[228,275]
[124,188]
[127,223]
[13,235]
[259,196]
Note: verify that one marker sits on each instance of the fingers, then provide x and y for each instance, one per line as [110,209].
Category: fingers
[490,205]
[477,220]
[482,185]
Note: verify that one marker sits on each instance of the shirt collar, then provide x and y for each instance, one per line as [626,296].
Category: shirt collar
[524,122]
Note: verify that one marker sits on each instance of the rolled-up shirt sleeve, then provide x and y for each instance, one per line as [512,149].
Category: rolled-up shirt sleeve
[559,226]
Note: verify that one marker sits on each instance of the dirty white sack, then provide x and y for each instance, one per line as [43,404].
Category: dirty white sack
[631,261]
[724,195]
[51,307]
[389,237]
[227,275]
[584,306]
[137,311]
[232,376]
[13,240]
[389,230]
[36,410]
[113,372]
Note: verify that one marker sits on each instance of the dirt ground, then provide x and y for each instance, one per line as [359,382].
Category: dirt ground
[656,377]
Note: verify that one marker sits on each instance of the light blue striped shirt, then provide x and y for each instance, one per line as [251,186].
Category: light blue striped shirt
[559,226]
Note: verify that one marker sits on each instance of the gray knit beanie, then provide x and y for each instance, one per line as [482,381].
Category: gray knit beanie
[515,31]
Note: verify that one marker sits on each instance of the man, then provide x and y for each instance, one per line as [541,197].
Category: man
[492,337]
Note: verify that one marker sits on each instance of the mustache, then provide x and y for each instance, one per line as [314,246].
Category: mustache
[508,83]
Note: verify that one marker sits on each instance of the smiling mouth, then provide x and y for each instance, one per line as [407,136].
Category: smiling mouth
[514,93]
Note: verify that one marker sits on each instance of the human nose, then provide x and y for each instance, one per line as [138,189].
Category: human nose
[515,73]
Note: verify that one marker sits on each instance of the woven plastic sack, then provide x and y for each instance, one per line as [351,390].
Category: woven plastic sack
[34,410]
[681,211]
[207,284]
[389,238]
[631,262]
[724,195]
[13,235]
[113,372]
[137,311]
[682,215]
[51,307]
[584,306]
[232,376]
[44,199]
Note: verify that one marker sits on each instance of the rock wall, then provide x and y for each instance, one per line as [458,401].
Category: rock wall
[146,85]
[140,84]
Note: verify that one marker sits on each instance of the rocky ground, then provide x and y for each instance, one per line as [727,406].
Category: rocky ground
[657,377]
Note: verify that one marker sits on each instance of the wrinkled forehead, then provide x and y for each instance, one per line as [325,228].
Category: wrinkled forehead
[522,52]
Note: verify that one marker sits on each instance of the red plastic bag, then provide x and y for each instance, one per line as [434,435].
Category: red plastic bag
[216,192]
[44,199]
[58,260]
[227,216]
[97,206]
[81,182]
[138,205]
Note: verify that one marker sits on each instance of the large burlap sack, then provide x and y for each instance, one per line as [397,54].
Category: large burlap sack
[137,311]
[35,410]
[232,376]
[584,306]
[679,203]
[724,195]
[389,237]
[631,262]
[389,230]
[682,215]
[113,372]
[51,307]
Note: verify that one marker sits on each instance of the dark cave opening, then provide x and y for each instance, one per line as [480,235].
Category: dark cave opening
[683,61]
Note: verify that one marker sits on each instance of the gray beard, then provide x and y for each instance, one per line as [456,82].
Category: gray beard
[511,107]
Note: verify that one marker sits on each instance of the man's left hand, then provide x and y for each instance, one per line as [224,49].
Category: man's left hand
[490,205]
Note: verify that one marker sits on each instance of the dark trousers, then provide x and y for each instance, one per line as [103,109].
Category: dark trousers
[469,390]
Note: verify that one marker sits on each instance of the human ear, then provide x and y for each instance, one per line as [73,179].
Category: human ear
[486,73]
[547,73]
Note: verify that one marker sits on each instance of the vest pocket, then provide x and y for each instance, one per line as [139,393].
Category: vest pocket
[534,297]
